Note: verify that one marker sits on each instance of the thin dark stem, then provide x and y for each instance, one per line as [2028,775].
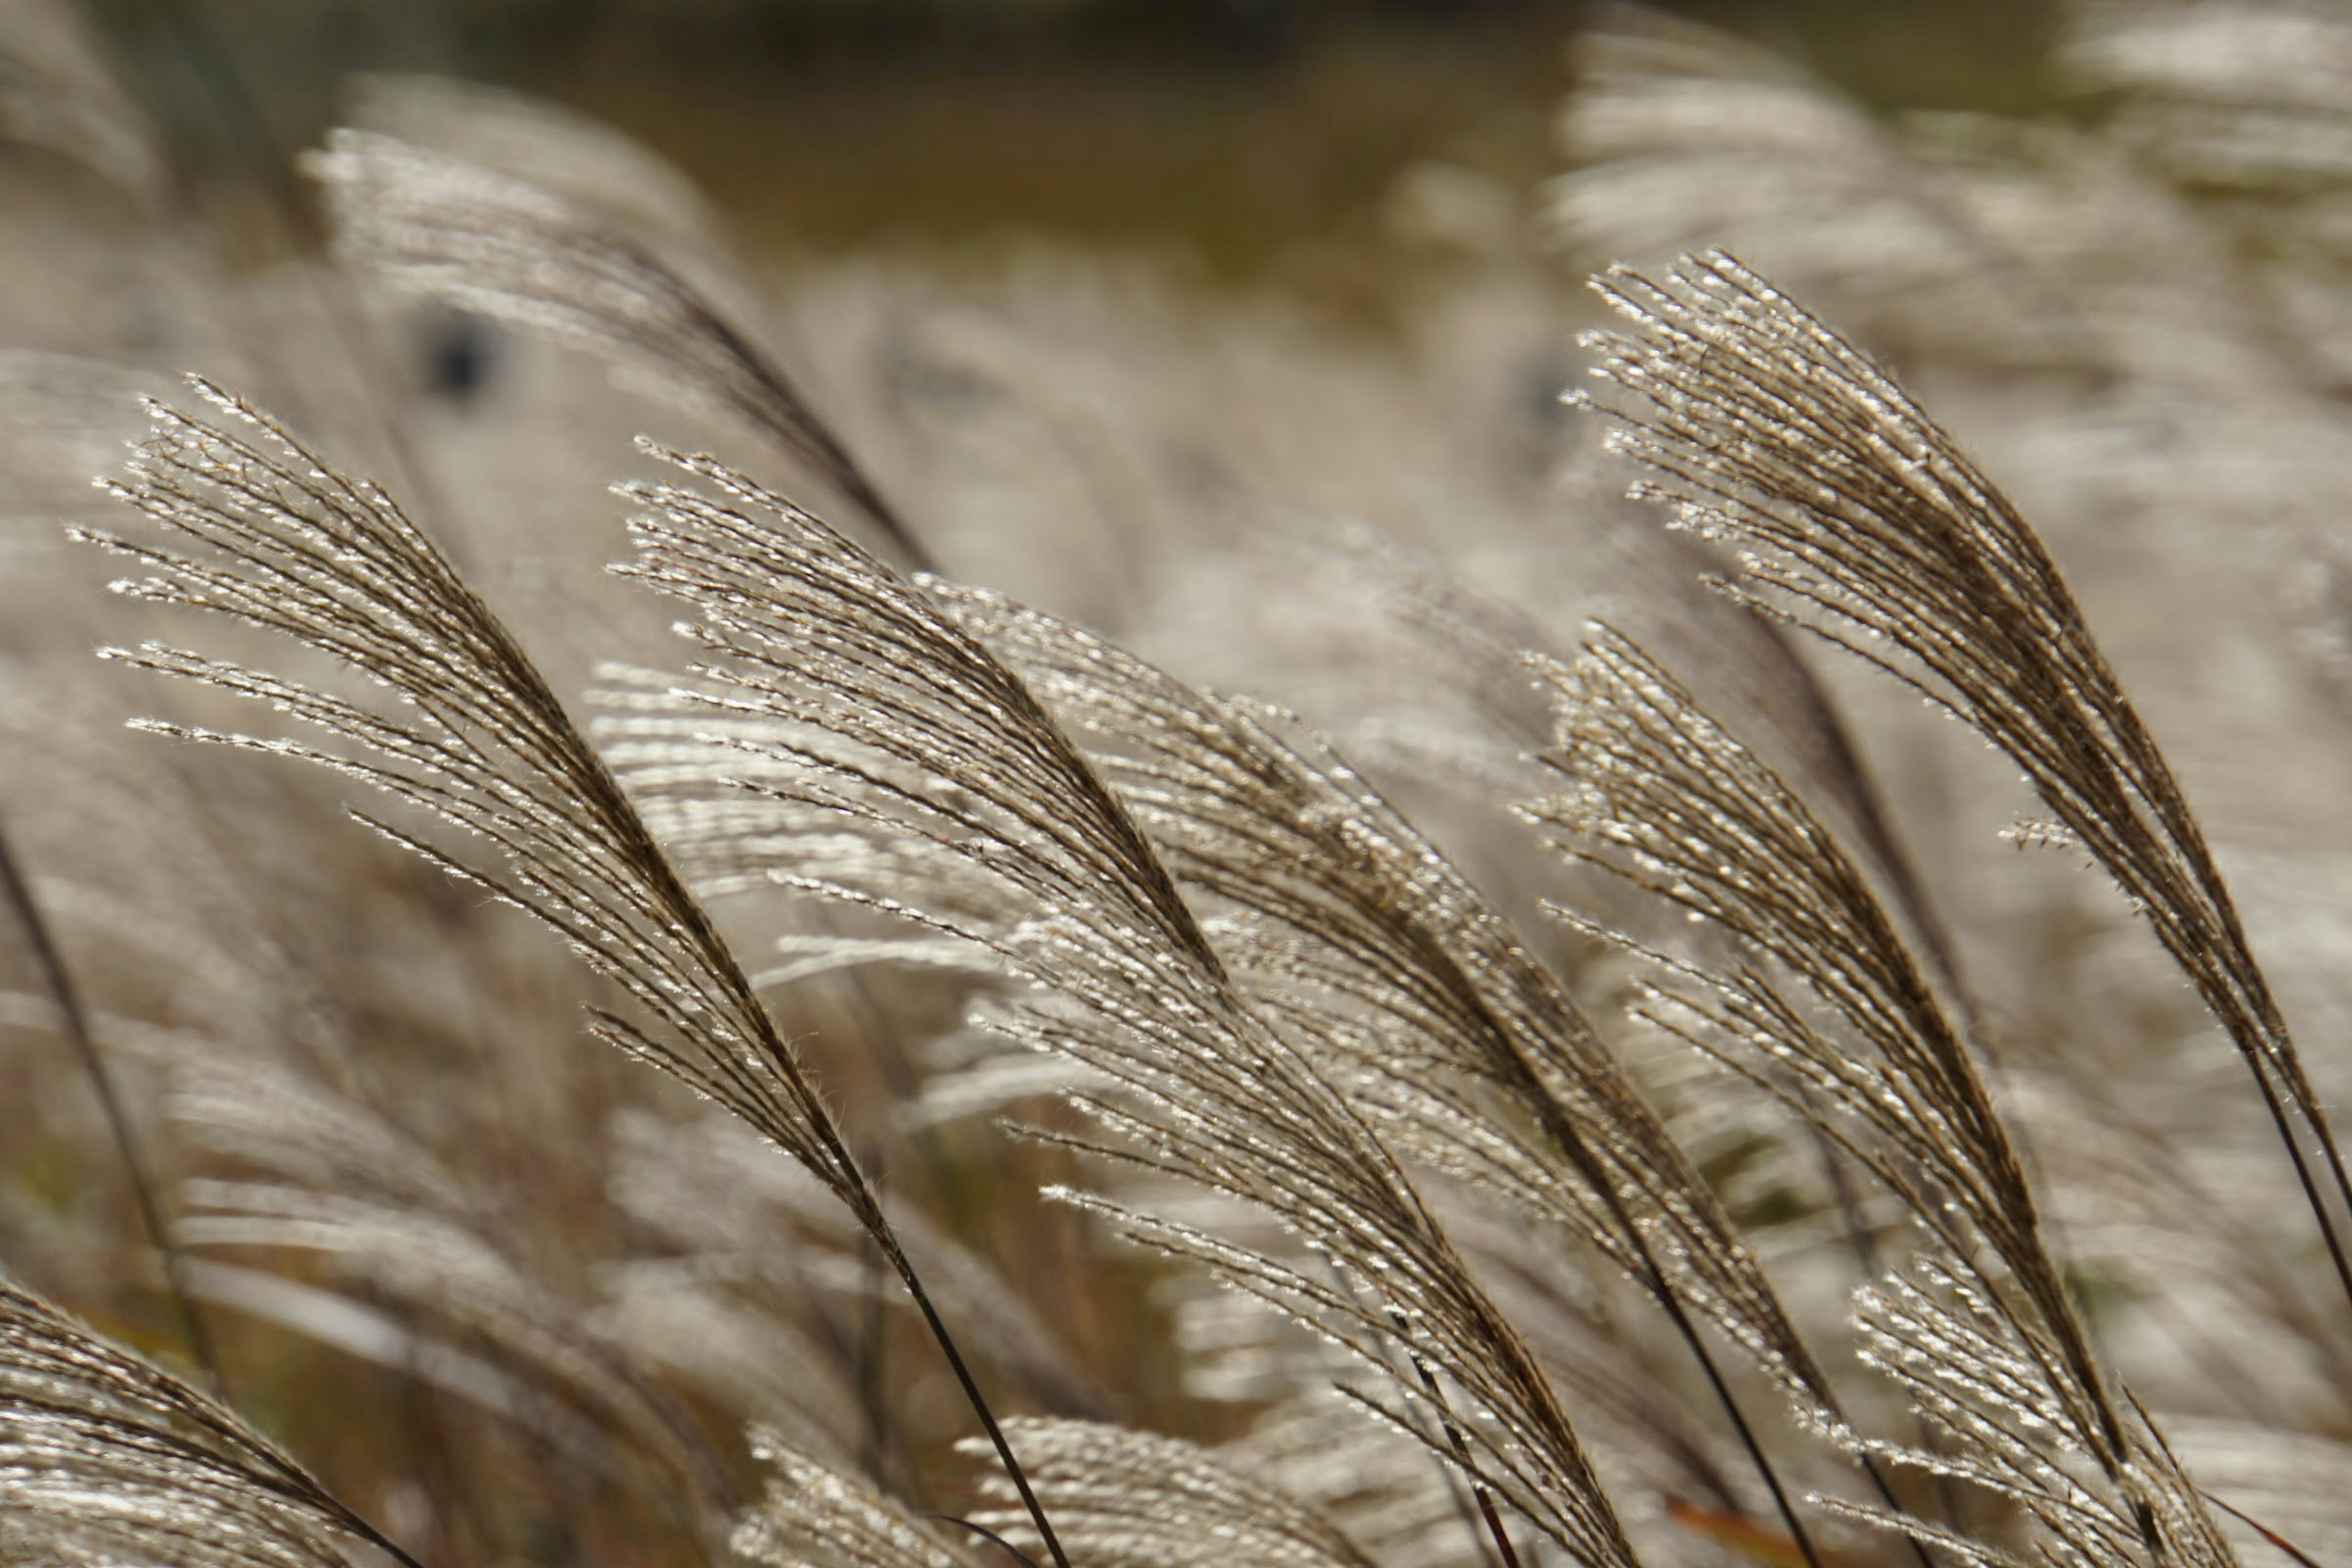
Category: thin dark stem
[866,1206]
[2335,1243]
[2317,1117]
[987,1534]
[872,1392]
[75,1025]
[887,1240]
[1486,1511]
[2303,1174]
[1463,1504]
[1748,1440]
[1485,1498]
[1654,1280]
[2259,1528]
[1456,1473]
[366,1531]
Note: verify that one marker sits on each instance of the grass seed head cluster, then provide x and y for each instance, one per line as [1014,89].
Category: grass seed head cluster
[1504,1031]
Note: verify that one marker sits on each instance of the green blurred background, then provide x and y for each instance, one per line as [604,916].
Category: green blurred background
[1240,134]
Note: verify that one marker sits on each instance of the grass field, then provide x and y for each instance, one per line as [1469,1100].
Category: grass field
[1336,787]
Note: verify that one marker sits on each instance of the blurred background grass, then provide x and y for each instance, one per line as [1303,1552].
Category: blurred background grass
[1257,139]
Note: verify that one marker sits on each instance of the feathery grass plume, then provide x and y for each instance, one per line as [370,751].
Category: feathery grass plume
[436,225]
[1970,1364]
[105,1457]
[1664,798]
[1854,516]
[1383,950]
[1654,1426]
[1378,1484]
[816,1517]
[837,691]
[1136,1499]
[296,548]
[1753,668]
[291,546]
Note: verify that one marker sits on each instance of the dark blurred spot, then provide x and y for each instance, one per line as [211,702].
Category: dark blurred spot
[460,352]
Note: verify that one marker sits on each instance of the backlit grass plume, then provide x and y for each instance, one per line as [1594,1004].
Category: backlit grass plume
[816,1517]
[105,1457]
[286,543]
[1991,1347]
[1134,1499]
[1473,1059]
[833,691]
[1852,513]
